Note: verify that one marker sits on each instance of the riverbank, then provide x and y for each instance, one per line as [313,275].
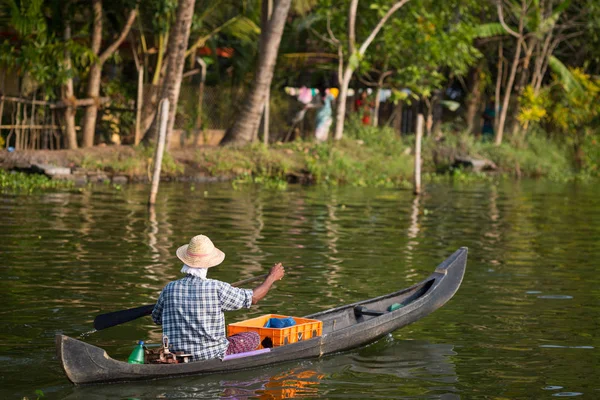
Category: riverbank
[366,157]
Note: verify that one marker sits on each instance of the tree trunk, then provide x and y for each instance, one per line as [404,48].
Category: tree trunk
[474,100]
[91,111]
[93,90]
[149,105]
[541,60]
[513,70]
[69,97]
[429,123]
[500,72]
[200,94]
[178,43]
[246,126]
[384,74]
[521,85]
[267,11]
[507,93]
[341,110]
[341,107]
[398,118]
[376,108]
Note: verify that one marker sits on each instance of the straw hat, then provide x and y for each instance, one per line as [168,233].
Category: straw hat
[200,253]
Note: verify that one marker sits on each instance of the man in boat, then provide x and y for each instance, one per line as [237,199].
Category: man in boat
[190,309]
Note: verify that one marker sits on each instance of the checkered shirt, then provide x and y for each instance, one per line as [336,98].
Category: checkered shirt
[190,311]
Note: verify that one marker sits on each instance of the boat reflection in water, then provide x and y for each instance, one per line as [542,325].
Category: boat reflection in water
[389,368]
[298,382]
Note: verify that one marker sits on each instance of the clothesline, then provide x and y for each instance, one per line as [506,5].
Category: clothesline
[305,94]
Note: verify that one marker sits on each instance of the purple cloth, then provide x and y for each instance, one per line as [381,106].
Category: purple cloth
[246,354]
[243,342]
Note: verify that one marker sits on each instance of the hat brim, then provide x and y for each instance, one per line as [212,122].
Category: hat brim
[206,261]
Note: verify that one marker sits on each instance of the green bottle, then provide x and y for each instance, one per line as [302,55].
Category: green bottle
[137,355]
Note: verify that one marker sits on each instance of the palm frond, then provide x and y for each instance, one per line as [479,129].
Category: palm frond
[302,7]
[489,30]
[565,76]
[243,28]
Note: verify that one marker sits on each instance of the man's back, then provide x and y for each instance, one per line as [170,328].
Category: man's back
[191,313]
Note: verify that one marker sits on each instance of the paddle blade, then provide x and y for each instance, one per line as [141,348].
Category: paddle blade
[107,320]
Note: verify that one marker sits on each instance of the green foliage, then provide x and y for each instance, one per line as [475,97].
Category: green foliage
[489,30]
[160,14]
[534,156]
[533,107]
[252,161]
[34,56]
[563,74]
[577,110]
[428,44]
[136,162]
[266,181]
[39,394]
[575,114]
[590,155]
[367,156]
[21,183]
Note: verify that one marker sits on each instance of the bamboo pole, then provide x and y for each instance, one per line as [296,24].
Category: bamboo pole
[201,96]
[2,99]
[419,137]
[55,133]
[58,104]
[160,147]
[32,136]
[18,128]
[138,106]
[24,133]
[11,132]
[48,126]
[1,113]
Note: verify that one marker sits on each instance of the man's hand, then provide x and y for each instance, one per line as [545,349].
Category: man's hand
[277,272]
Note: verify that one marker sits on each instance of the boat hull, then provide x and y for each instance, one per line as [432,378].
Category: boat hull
[343,329]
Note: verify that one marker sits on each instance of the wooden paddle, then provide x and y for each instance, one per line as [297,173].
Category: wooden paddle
[107,320]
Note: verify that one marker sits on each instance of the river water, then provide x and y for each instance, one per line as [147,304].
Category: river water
[524,324]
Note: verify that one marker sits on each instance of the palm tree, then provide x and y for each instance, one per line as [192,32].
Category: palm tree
[211,18]
[245,127]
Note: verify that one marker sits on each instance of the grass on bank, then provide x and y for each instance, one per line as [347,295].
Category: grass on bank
[20,182]
[366,157]
[377,157]
[134,162]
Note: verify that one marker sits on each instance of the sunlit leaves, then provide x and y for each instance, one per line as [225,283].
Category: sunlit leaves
[533,105]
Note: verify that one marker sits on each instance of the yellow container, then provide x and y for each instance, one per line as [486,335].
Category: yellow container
[304,329]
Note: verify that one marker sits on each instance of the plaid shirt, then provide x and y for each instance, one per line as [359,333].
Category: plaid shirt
[191,313]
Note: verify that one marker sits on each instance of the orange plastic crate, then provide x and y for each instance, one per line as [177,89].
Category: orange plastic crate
[304,329]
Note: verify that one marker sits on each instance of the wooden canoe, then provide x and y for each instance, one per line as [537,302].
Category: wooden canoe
[343,328]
